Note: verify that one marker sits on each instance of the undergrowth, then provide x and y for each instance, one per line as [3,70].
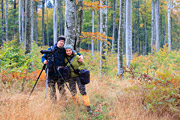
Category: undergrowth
[154,79]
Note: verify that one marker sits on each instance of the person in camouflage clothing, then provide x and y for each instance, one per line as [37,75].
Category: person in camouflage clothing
[75,69]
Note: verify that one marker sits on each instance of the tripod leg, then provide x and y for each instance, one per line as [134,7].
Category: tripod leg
[64,82]
[46,83]
[37,80]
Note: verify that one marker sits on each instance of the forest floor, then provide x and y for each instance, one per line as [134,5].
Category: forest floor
[107,96]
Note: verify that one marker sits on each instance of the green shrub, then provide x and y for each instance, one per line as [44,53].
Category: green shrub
[13,58]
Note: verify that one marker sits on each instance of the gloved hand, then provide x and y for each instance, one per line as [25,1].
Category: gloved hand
[77,71]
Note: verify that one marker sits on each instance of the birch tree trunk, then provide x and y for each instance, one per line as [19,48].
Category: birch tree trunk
[114,22]
[55,18]
[103,31]
[59,16]
[157,24]
[92,41]
[161,30]
[153,28]
[43,34]
[32,23]
[2,16]
[36,23]
[121,38]
[6,20]
[79,26]
[169,24]
[28,26]
[23,22]
[47,28]
[124,43]
[63,21]
[98,29]
[128,32]
[20,20]
[70,12]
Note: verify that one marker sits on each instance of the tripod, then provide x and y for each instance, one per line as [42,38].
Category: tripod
[43,68]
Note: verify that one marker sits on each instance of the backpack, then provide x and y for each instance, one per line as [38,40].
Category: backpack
[84,76]
[66,73]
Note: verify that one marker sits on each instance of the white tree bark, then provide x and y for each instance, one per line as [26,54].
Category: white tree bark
[6,20]
[43,35]
[70,12]
[79,25]
[98,29]
[169,24]
[28,10]
[59,16]
[157,25]
[103,30]
[32,23]
[22,9]
[36,23]
[25,20]
[153,29]
[121,34]
[20,22]
[92,41]
[128,32]
[47,28]
[55,18]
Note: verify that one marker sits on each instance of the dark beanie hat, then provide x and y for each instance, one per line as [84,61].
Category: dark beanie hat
[61,38]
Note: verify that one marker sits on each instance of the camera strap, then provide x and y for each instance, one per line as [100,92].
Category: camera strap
[70,62]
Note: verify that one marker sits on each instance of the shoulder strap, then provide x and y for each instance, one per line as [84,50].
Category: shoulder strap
[53,47]
[70,62]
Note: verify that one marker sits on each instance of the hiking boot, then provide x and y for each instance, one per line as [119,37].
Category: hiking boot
[89,110]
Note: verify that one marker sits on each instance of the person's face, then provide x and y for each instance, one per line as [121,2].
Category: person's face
[68,52]
[60,43]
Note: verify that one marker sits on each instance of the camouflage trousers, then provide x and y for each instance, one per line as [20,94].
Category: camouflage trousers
[72,85]
[52,80]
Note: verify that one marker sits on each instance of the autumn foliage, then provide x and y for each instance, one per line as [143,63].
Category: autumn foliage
[159,81]
[152,82]
[18,68]
[95,36]
[94,5]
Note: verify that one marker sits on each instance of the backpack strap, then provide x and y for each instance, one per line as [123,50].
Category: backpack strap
[70,62]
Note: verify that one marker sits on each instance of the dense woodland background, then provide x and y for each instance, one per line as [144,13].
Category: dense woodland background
[45,13]
[131,48]
[93,25]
